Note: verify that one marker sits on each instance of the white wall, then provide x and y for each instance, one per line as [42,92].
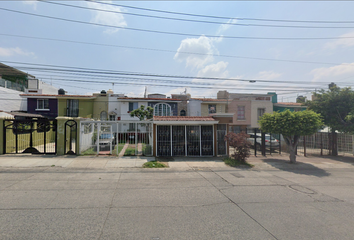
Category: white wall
[194,108]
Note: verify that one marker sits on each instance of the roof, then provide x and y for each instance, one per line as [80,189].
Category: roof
[149,99]
[294,104]
[182,118]
[23,114]
[57,95]
[209,99]
[10,71]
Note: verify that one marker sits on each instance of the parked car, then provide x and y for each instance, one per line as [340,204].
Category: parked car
[269,140]
[106,139]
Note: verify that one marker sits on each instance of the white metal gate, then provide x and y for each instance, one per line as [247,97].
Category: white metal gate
[120,138]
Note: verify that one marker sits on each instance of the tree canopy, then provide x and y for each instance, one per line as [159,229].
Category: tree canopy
[142,113]
[291,125]
[336,106]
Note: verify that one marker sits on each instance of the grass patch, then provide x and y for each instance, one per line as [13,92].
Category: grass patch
[89,151]
[154,164]
[130,151]
[119,146]
[235,163]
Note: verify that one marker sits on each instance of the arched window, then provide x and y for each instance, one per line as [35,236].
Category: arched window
[182,113]
[103,116]
[162,109]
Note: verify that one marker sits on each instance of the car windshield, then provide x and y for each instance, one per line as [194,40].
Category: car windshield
[269,137]
[105,136]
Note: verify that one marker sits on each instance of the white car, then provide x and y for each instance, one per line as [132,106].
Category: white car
[269,140]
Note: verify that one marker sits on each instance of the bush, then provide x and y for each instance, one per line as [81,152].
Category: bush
[235,163]
[154,164]
[240,144]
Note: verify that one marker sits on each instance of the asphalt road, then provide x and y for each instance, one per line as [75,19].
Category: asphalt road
[199,203]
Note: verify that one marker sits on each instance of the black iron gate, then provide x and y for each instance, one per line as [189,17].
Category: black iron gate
[262,143]
[70,137]
[37,136]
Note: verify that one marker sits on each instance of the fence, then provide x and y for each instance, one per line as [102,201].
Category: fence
[121,138]
[322,143]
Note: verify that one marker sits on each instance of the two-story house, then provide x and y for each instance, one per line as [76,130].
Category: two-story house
[246,108]
[52,106]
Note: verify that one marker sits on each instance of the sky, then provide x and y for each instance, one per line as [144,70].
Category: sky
[289,47]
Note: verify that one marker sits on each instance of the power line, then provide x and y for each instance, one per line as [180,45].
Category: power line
[198,21]
[174,33]
[125,73]
[223,17]
[171,51]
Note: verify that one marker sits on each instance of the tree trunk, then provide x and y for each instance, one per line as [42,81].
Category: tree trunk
[292,154]
[292,143]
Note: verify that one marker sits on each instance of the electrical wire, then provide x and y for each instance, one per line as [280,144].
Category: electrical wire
[221,17]
[172,51]
[174,33]
[197,21]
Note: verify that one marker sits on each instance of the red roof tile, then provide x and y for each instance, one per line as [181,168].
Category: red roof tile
[290,103]
[53,95]
[182,118]
[159,99]
[210,99]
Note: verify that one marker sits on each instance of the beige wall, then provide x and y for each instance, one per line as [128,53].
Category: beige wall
[220,108]
[233,109]
[267,105]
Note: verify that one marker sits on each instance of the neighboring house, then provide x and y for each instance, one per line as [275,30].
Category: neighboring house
[187,136]
[183,105]
[52,106]
[292,106]
[282,106]
[14,82]
[210,106]
[247,108]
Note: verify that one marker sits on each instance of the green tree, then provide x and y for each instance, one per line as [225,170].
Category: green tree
[291,125]
[336,107]
[142,113]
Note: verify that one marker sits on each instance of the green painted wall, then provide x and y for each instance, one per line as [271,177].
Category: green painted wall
[85,107]
[282,109]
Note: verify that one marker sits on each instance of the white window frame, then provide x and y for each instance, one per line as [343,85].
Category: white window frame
[162,111]
[45,102]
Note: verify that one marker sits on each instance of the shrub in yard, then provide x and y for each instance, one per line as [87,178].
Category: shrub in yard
[240,144]
[154,164]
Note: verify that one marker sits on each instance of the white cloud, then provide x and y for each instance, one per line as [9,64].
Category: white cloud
[31,3]
[204,48]
[8,52]
[332,73]
[224,27]
[344,42]
[268,75]
[217,70]
[108,18]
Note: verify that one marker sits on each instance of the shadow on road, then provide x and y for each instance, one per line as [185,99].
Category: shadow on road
[298,168]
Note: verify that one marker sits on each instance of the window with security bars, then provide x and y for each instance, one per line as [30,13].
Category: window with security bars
[178,141]
[72,108]
[162,109]
[193,141]
[207,140]
[163,145]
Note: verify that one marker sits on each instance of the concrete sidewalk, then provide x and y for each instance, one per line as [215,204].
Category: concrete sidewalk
[104,162]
